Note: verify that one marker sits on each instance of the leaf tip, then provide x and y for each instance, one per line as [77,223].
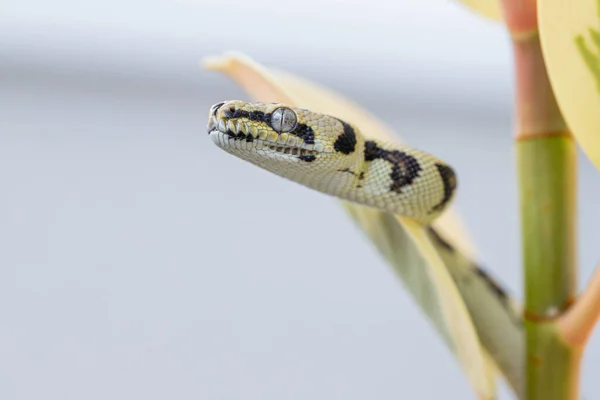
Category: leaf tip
[225,61]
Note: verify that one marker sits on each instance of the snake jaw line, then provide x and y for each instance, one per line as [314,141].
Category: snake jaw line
[249,143]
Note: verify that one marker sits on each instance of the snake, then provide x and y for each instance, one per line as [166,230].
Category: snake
[334,157]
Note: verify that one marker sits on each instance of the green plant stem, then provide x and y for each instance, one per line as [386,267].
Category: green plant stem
[547,176]
[546,158]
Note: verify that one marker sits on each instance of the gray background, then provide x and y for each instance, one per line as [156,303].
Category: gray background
[137,260]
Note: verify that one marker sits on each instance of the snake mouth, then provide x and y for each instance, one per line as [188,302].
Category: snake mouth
[222,139]
[291,150]
[237,134]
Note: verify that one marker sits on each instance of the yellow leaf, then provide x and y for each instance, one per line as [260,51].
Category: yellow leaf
[570,36]
[488,8]
[439,295]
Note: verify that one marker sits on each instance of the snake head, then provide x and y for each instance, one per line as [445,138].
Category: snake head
[331,156]
[272,134]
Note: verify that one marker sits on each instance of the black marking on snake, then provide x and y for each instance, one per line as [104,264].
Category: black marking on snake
[232,113]
[405,168]
[440,240]
[449,179]
[216,108]
[303,131]
[239,136]
[257,116]
[360,176]
[346,142]
[309,158]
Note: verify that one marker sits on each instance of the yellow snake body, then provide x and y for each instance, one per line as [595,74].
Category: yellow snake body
[331,156]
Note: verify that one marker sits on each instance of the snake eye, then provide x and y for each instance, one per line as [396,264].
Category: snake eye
[283,120]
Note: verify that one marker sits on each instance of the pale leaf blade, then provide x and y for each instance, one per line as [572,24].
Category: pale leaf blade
[456,316]
[496,318]
[570,37]
[282,87]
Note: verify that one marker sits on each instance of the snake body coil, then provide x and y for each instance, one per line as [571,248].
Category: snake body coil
[330,155]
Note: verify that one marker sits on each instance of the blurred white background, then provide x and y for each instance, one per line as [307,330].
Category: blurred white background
[137,260]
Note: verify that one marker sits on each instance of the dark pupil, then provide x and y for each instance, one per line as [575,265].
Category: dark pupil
[283,120]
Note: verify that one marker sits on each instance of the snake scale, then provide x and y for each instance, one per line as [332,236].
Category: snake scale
[332,156]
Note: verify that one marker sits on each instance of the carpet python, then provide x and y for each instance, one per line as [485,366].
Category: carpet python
[332,156]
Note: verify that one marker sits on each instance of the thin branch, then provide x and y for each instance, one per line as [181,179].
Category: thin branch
[577,324]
